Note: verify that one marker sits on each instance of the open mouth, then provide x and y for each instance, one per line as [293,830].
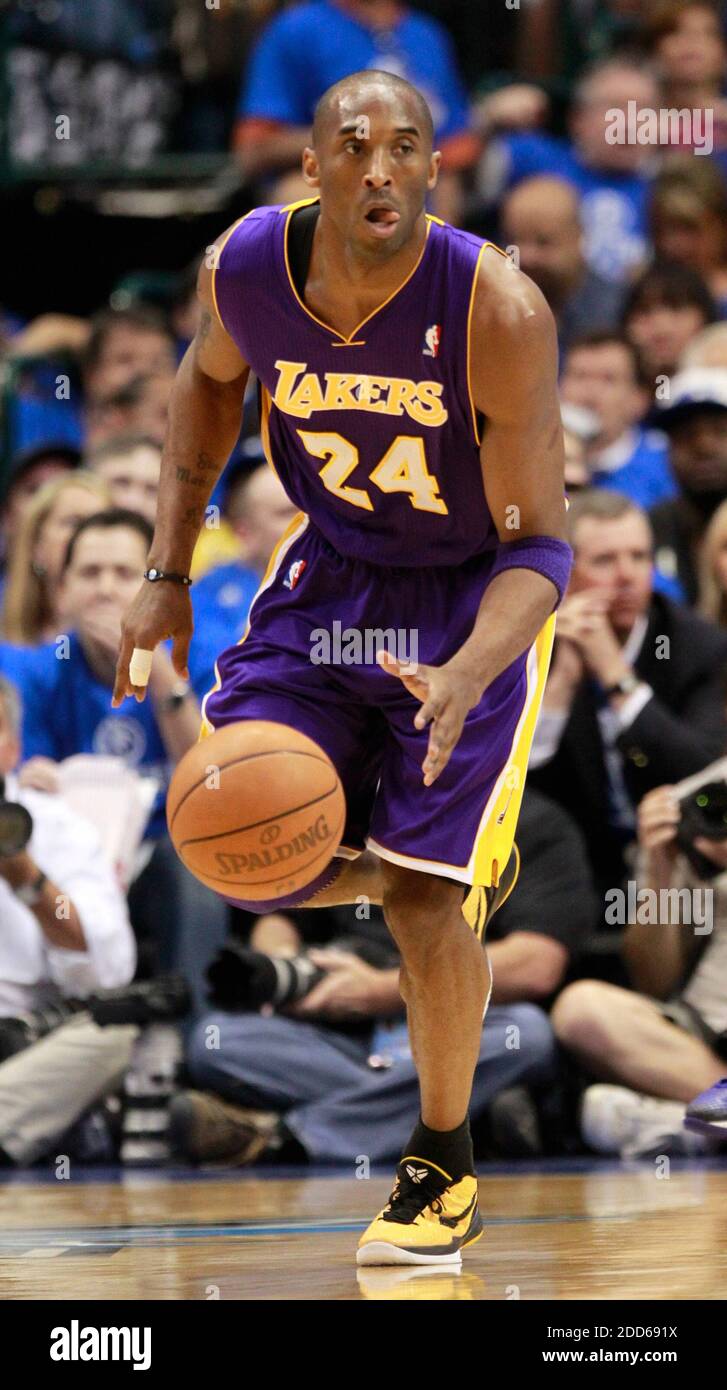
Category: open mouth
[382,220]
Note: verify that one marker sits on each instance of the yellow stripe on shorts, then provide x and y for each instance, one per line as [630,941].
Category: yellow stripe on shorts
[496,833]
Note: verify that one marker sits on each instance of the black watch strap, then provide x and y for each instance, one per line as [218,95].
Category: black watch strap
[154,575]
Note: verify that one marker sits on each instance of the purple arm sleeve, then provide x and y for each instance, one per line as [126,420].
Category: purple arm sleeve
[545,554]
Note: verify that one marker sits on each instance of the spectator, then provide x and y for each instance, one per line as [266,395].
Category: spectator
[660,1046]
[28,471]
[689,221]
[708,349]
[664,311]
[601,374]
[129,465]
[541,218]
[636,691]
[713,569]
[686,40]
[259,512]
[67,710]
[124,344]
[47,956]
[139,407]
[695,418]
[610,179]
[358,1093]
[340,37]
[31,610]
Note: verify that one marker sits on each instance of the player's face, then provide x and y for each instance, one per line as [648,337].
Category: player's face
[615,557]
[374,169]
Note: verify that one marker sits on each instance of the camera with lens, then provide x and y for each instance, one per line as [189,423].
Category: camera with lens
[16,825]
[703,805]
[243,980]
[165,999]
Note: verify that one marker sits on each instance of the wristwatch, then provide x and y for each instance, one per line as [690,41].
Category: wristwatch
[31,893]
[626,686]
[176,697]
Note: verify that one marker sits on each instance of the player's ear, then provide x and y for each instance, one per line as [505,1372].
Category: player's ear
[311,171]
[434,164]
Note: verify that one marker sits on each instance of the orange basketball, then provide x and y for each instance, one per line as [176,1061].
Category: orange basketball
[256,810]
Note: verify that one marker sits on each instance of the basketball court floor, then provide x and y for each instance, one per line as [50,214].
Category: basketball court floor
[578,1229]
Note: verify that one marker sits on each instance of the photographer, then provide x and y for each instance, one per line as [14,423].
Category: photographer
[635,696]
[64,931]
[666,1043]
[320,1052]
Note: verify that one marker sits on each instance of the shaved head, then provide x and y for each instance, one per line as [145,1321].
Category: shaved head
[360,88]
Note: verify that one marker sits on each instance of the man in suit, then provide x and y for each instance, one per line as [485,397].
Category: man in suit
[636,692]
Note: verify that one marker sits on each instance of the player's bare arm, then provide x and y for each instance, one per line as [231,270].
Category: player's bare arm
[514,384]
[205,414]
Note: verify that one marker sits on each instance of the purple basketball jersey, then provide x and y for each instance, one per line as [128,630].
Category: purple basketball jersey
[374,436]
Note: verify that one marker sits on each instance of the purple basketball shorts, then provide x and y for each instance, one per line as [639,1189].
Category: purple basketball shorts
[308,659]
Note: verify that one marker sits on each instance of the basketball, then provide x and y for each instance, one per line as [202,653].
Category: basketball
[256,810]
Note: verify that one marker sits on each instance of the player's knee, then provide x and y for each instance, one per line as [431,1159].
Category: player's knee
[418,912]
[584,1015]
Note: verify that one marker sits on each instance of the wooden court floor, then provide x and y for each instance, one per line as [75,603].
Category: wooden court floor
[608,1232]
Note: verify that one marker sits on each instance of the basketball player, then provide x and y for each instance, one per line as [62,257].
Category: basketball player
[409,407]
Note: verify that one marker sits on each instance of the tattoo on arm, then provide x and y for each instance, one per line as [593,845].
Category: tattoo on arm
[205,324]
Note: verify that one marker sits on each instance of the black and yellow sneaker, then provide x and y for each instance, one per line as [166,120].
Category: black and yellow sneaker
[428,1220]
[481,904]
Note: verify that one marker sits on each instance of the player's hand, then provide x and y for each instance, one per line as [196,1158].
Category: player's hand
[159,611]
[447,696]
[350,988]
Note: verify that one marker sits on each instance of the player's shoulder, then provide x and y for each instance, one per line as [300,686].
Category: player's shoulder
[506,301]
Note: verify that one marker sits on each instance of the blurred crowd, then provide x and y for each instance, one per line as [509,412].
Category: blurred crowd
[603,1025]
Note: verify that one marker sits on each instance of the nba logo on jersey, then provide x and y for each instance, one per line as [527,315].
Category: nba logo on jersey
[431,340]
[294,573]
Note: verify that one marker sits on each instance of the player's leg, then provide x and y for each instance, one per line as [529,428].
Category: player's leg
[445,982]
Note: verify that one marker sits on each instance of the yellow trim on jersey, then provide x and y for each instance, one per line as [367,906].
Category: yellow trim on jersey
[289,536]
[500,252]
[218,258]
[494,841]
[345,341]
[478,439]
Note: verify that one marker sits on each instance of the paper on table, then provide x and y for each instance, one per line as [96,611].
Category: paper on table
[115,799]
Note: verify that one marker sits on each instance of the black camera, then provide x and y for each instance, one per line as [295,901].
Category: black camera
[163,1000]
[243,980]
[703,805]
[16,825]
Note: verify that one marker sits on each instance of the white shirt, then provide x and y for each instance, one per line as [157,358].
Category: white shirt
[612,722]
[69,851]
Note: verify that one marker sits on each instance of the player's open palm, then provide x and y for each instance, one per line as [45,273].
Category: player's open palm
[159,611]
[446,698]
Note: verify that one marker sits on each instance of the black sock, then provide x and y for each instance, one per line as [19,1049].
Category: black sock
[450,1149]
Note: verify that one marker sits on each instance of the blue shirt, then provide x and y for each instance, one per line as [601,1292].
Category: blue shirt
[645,475]
[67,710]
[220,603]
[613,206]
[307,48]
